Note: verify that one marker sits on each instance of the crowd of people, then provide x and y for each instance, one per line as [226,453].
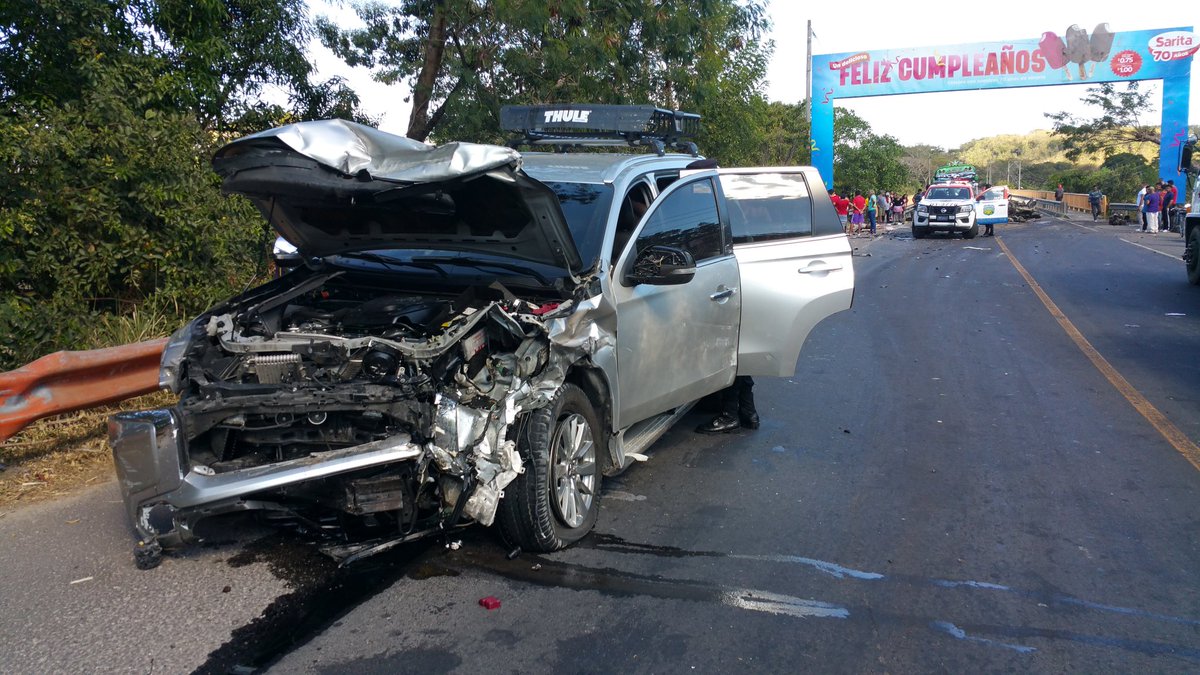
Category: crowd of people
[1154,203]
[866,211]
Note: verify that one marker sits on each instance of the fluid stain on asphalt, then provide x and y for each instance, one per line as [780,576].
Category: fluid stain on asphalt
[321,594]
[550,573]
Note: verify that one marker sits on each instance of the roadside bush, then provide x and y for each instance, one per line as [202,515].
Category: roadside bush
[108,208]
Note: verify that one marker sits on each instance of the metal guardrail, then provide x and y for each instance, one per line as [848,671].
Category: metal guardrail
[1051,206]
[1071,201]
[67,381]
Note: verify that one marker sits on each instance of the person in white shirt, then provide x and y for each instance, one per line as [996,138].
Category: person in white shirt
[1141,197]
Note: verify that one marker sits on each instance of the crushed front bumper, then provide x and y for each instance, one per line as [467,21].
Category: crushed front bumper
[165,497]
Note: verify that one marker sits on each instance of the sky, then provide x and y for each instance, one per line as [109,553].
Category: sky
[946,119]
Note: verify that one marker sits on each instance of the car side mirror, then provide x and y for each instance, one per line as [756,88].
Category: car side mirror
[661,266]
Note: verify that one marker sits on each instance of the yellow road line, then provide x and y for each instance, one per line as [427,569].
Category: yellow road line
[1159,421]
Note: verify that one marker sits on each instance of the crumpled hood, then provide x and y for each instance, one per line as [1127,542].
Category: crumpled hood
[333,186]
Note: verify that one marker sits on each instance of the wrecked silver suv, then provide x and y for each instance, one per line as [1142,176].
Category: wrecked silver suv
[477,335]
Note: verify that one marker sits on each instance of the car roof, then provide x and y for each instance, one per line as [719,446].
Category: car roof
[596,167]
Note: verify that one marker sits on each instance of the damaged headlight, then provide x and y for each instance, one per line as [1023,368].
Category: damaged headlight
[170,365]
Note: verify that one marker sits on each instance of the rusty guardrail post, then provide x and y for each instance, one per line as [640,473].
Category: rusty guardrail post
[67,381]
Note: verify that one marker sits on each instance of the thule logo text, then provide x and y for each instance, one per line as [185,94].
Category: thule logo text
[567,115]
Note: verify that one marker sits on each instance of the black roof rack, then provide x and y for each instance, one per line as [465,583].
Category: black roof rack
[580,124]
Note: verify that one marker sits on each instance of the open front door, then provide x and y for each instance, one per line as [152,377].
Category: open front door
[993,207]
[793,259]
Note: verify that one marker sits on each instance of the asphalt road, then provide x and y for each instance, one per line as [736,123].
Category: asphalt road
[949,483]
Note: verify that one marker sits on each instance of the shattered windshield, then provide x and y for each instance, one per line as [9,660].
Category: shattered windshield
[585,206]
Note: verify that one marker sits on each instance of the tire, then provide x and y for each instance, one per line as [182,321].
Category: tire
[1192,255]
[919,232]
[556,501]
[971,233]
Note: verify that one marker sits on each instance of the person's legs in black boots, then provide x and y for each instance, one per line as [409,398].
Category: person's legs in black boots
[747,414]
[737,409]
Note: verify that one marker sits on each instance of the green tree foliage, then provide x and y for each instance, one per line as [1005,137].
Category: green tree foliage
[1120,177]
[1116,128]
[864,160]
[107,207]
[464,59]
[214,58]
[109,112]
[782,136]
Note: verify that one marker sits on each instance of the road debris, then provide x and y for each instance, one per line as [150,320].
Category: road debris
[80,581]
[490,602]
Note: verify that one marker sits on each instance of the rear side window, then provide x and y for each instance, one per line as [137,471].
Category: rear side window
[687,219]
[767,206]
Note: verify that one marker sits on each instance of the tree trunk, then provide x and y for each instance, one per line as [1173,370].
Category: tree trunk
[419,123]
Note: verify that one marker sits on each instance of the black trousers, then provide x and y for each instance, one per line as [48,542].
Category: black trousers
[737,400]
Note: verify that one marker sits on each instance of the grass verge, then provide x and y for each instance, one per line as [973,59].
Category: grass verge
[59,455]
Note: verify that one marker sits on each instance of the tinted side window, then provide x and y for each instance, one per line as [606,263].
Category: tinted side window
[767,206]
[686,219]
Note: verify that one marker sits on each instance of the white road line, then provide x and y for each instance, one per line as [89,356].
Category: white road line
[1086,227]
[1152,250]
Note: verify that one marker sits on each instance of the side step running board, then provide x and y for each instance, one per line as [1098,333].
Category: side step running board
[635,440]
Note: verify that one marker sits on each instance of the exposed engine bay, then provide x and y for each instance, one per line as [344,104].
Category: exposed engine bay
[337,363]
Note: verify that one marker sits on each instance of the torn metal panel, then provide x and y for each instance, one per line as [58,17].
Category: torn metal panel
[351,148]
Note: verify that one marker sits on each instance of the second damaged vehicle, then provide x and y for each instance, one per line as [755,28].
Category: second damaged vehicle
[476,335]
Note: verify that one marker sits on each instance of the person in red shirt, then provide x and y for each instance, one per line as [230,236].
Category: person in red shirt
[843,207]
[857,209]
[1169,196]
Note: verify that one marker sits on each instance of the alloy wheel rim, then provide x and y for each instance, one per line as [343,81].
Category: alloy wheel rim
[573,476]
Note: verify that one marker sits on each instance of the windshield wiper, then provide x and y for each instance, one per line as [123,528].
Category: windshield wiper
[511,267]
[395,263]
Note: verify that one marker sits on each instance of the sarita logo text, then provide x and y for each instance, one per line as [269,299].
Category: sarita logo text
[567,115]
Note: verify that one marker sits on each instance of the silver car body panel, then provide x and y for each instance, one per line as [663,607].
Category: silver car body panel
[787,289]
[788,285]
[658,368]
[333,186]
[351,148]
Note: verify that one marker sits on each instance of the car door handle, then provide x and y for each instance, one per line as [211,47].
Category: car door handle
[819,267]
[721,295]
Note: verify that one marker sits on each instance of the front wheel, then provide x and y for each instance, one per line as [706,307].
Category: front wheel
[1191,255]
[556,501]
[971,233]
[919,232]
